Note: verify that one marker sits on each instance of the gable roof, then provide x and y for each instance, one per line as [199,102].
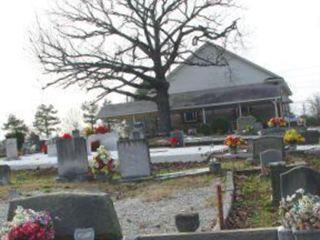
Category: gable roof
[273,76]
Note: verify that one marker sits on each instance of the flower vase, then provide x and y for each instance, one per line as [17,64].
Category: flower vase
[306,234]
[285,234]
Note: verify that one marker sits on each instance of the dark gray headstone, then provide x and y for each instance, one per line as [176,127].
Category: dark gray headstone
[71,211]
[136,134]
[300,177]
[270,156]
[311,136]
[276,169]
[72,159]
[265,143]
[12,149]
[5,175]
[134,157]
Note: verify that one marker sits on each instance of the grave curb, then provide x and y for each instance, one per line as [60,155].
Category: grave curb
[228,197]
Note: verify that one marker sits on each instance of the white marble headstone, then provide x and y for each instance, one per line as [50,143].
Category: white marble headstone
[12,149]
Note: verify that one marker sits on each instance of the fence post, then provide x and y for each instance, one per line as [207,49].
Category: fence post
[220,206]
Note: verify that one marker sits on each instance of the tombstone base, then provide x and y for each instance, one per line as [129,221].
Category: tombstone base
[78,178]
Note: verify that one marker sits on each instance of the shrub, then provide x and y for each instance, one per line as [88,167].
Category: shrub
[220,126]
[204,129]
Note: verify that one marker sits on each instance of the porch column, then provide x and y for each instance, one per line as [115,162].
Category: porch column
[240,110]
[281,109]
[276,111]
[204,116]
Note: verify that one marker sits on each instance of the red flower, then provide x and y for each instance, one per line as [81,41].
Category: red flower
[66,136]
[102,129]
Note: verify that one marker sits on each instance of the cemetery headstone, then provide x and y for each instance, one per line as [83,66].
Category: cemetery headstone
[5,175]
[300,177]
[267,157]
[270,156]
[52,147]
[264,143]
[244,122]
[12,149]
[276,169]
[137,133]
[72,159]
[72,211]
[84,234]
[134,158]
[311,136]
[108,140]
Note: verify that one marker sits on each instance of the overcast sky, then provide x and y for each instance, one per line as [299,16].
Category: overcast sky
[283,36]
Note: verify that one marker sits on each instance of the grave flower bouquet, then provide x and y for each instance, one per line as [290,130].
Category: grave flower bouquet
[277,122]
[233,142]
[28,225]
[293,137]
[101,129]
[103,164]
[300,211]
[66,136]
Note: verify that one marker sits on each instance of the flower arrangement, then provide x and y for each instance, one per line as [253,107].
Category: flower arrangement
[66,136]
[88,130]
[248,129]
[300,211]
[233,141]
[103,164]
[101,129]
[28,225]
[277,122]
[293,137]
[174,141]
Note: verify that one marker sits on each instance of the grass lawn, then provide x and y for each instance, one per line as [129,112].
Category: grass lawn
[253,205]
[28,182]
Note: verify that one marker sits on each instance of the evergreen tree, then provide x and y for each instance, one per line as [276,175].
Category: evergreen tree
[90,110]
[15,128]
[46,119]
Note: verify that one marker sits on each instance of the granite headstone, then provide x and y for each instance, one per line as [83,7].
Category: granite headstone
[71,211]
[264,143]
[12,149]
[72,159]
[297,178]
[4,175]
[134,158]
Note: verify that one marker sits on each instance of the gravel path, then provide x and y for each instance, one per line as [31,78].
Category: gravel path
[140,216]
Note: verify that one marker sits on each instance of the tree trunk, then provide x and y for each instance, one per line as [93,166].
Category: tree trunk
[164,112]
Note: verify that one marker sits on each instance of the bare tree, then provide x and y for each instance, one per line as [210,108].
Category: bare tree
[315,106]
[121,46]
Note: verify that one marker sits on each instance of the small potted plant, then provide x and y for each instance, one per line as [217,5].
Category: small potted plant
[103,165]
[300,217]
[292,138]
[233,142]
[28,224]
